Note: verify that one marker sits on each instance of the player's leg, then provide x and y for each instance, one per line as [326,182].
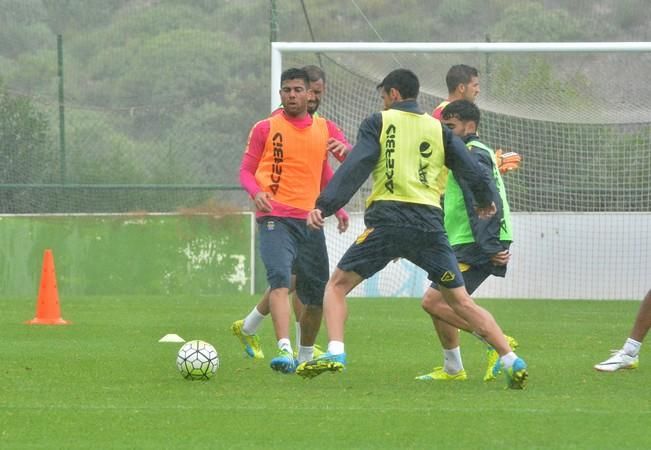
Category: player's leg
[246,329]
[628,356]
[438,260]
[364,258]
[311,323]
[312,268]
[478,318]
[484,324]
[642,320]
[446,321]
[297,307]
[279,239]
[335,310]
[435,305]
[335,305]
[452,369]
[313,318]
[370,253]
[474,276]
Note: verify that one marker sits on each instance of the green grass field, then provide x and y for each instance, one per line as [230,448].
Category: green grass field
[105,381]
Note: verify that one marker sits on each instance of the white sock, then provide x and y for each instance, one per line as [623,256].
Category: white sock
[298,333]
[452,360]
[632,347]
[335,347]
[252,322]
[285,344]
[305,353]
[508,360]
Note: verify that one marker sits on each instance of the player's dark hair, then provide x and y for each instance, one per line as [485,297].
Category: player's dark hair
[315,73]
[463,110]
[295,74]
[459,74]
[403,80]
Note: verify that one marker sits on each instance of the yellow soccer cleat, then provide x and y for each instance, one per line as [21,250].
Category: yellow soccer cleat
[441,375]
[327,362]
[251,342]
[318,351]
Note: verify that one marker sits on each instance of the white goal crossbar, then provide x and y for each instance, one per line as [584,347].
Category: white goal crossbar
[278,48]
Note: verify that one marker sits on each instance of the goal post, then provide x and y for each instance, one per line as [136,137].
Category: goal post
[579,115]
[279,48]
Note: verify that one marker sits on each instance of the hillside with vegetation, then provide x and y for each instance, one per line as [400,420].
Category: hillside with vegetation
[164,92]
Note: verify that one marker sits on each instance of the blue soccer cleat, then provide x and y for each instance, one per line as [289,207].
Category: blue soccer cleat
[516,375]
[284,362]
[492,359]
[324,363]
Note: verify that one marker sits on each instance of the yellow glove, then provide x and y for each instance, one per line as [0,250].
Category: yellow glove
[507,161]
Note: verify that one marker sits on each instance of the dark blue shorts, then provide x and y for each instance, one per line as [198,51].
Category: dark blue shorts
[429,250]
[473,278]
[288,246]
[475,266]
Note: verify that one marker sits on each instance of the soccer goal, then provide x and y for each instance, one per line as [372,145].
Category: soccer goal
[579,115]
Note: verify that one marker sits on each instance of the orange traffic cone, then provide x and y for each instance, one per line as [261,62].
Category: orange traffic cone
[47,306]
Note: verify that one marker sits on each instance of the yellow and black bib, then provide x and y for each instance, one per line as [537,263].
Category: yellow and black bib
[411,159]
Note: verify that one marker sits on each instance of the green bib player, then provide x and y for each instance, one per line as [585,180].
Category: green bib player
[481,246]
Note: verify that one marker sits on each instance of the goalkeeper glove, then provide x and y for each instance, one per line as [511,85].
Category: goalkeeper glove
[507,161]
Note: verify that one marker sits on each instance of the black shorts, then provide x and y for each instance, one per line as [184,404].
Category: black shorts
[429,250]
[288,246]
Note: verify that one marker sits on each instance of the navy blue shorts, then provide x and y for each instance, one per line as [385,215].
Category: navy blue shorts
[474,265]
[288,246]
[473,278]
[429,250]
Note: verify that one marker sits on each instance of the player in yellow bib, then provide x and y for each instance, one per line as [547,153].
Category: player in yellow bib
[405,151]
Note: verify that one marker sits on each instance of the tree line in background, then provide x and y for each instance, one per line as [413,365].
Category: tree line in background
[163,92]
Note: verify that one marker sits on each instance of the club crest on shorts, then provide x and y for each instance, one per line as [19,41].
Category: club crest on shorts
[270,225]
[447,276]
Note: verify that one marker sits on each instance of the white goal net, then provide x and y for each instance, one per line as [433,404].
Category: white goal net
[578,114]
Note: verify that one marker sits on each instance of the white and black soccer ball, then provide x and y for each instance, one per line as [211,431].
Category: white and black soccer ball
[197,360]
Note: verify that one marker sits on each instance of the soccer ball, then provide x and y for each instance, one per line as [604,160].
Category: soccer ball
[197,360]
